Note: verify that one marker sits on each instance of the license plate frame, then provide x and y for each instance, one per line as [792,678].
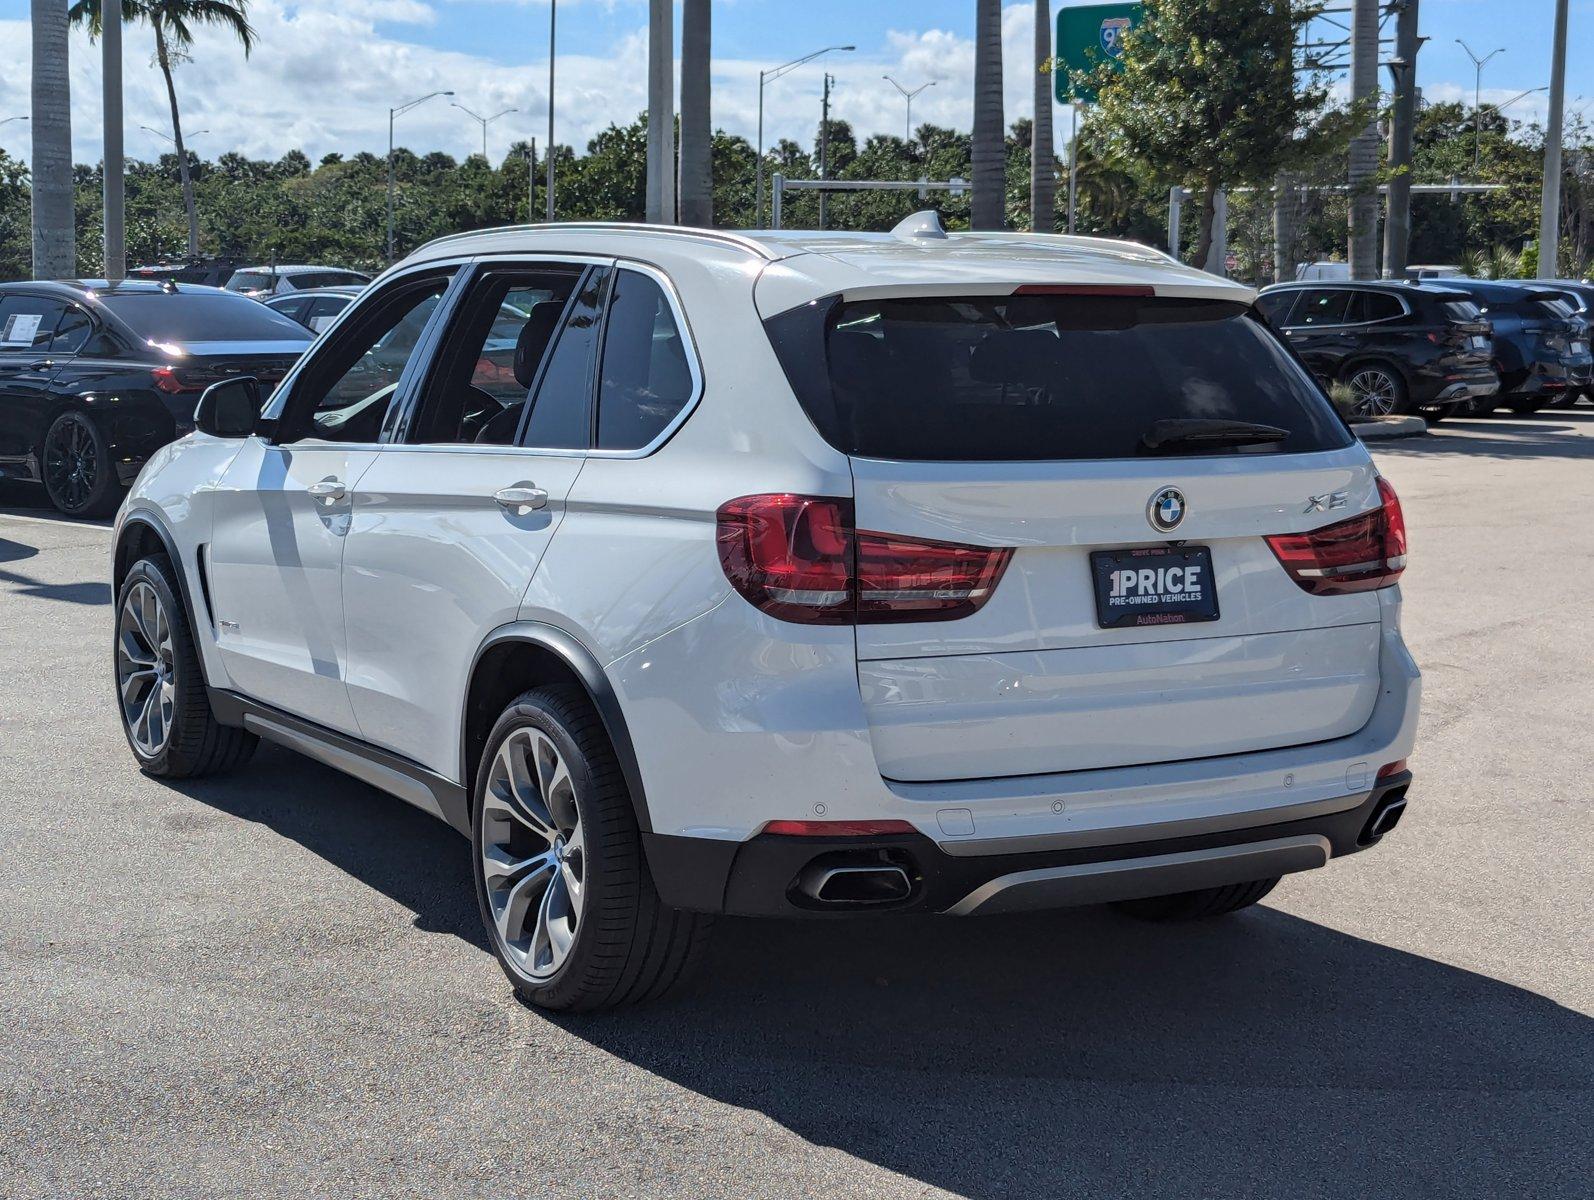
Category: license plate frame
[1163,604]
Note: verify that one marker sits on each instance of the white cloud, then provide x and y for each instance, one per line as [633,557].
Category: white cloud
[323,75]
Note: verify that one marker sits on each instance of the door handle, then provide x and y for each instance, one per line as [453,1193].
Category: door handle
[44,364]
[521,497]
[330,490]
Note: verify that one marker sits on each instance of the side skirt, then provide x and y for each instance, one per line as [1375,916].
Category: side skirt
[391,773]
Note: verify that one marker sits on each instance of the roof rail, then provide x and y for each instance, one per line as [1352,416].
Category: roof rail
[721,237]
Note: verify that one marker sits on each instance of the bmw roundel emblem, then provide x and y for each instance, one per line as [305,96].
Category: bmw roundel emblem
[1165,509]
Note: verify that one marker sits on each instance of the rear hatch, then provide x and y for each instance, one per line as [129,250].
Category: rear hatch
[1133,453]
[1468,339]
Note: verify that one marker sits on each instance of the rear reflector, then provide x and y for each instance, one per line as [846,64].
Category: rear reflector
[836,828]
[1394,768]
[799,558]
[1357,555]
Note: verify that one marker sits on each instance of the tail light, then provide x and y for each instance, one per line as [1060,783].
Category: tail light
[1357,555]
[799,558]
[168,380]
[836,828]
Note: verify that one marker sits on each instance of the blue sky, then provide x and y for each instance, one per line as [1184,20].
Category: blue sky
[327,70]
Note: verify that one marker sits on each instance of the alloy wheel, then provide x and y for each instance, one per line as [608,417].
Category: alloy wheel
[146,680]
[71,463]
[533,853]
[1375,390]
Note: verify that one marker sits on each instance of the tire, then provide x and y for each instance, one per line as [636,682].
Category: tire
[1438,413]
[1523,406]
[558,859]
[75,461]
[152,628]
[1200,904]
[1380,390]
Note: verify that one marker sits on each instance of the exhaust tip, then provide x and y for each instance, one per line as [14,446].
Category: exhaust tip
[882,884]
[1385,817]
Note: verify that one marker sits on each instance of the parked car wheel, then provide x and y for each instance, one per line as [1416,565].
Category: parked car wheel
[1193,906]
[1523,406]
[160,688]
[1379,390]
[570,909]
[79,477]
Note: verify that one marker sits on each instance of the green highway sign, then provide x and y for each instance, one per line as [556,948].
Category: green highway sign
[1088,35]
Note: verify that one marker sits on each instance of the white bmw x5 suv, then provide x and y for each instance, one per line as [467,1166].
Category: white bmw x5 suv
[788,574]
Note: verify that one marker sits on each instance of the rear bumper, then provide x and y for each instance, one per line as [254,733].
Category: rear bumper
[761,877]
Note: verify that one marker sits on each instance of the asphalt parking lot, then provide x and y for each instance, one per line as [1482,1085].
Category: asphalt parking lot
[272,984]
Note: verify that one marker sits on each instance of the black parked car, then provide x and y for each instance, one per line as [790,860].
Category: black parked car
[1579,293]
[94,378]
[1541,346]
[1399,347]
[313,308]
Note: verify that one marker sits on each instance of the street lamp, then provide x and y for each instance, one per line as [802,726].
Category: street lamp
[1518,96]
[1477,99]
[8,120]
[393,114]
[483,121]
[770,76]
[907,124]
[193,133]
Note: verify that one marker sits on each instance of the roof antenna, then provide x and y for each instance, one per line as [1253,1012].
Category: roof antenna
[926,224]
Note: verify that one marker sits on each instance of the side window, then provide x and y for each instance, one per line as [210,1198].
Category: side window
[72,331]
[292,309]
[561,412]
[28,322]
[1321,306]
[1373,306]
[1275,306]
[645,379]
[320,313]
[491,356]
[346,389]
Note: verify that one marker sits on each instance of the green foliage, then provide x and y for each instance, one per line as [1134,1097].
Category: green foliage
[1209,96]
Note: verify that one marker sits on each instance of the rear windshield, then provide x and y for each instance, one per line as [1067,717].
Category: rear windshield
[1041,377]
[196,317]
[1462,310]
[316,279]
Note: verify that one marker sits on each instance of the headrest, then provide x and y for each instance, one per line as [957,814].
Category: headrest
[533,341]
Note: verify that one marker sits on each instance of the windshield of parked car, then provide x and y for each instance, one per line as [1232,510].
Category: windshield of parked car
[1044,376]
[179,318]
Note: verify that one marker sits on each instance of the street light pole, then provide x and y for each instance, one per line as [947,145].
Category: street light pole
[1478,93]
[907,125]
[1550,207]
[392,114]
[481,120]
[770,76]
[824,143]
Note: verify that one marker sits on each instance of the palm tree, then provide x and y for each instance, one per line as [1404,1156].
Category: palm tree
[1042,159]
[54,236]
[174,22]
[697,174]
[987,209]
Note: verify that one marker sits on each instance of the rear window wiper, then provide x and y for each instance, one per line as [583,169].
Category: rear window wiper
[1199,433]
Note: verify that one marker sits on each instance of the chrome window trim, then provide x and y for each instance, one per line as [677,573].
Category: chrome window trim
[1405,306]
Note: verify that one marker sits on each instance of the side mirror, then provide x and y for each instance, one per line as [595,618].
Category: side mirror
[229,409]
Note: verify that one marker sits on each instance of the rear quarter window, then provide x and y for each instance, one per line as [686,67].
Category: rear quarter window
[1028,378]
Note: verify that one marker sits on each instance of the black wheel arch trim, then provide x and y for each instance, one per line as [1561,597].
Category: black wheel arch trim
[586,667]
[144,518]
